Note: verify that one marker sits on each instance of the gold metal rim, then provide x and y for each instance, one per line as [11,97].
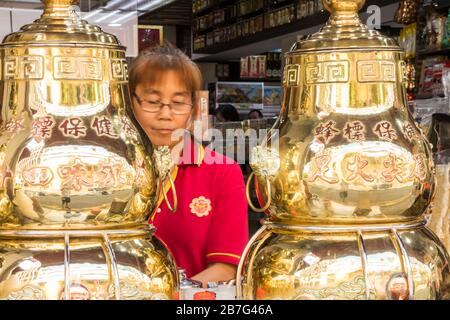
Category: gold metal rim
[335,228]
[76,226]
[142,230]
[83,45]
[339,49]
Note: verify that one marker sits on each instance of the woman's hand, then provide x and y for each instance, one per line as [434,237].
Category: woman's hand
[216,272]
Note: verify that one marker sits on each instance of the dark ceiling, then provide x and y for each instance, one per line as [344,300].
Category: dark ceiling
[85,5]
[178,13]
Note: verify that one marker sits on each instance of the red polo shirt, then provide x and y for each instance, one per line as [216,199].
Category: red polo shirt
[211,222]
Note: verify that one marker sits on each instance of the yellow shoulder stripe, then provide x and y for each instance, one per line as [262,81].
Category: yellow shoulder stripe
[223,254]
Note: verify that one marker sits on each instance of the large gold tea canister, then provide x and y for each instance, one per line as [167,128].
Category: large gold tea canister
[347,187]
[77,181]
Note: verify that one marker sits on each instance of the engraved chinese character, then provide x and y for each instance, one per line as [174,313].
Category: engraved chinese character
[14,126]
[75,175]
[326,132]
[384,131]
[39,176]
[128,129]
[409,131]
[73,127]
[141,178]
[103,127]
[394,168]
[419,170]
[354,131]
[110,174]
[42,127]
[322,162]
[107,176]
[356,167]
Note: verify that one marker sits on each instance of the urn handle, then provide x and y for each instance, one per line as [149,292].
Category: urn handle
[163,164]
[265,164]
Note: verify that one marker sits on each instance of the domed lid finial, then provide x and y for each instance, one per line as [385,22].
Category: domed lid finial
[60,2]
[345,31]
[336,6]
[59,24]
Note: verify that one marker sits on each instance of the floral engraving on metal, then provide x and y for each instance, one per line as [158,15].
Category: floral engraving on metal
[131,291]
[376,71]
[327,72]
[77,68]
[354,289]
[24,68]
[27,293]
[77,291]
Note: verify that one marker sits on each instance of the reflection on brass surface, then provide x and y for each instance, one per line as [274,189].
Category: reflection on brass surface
[77,179]
[354,169]
[311,265]
[37,268]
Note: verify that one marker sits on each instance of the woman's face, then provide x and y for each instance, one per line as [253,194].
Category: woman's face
[160,125]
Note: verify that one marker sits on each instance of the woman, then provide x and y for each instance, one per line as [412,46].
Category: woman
[209,229]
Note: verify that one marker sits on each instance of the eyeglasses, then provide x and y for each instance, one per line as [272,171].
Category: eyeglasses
[178,108]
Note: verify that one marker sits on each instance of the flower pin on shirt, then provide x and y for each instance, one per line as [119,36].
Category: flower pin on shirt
[200,206]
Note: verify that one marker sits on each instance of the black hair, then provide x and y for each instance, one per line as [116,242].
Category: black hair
[228,112]
[257,111]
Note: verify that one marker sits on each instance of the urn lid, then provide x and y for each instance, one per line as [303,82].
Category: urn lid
[344,31]
[61,25]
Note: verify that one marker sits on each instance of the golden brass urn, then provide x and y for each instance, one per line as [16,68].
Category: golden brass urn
[77,181]
[347,187]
